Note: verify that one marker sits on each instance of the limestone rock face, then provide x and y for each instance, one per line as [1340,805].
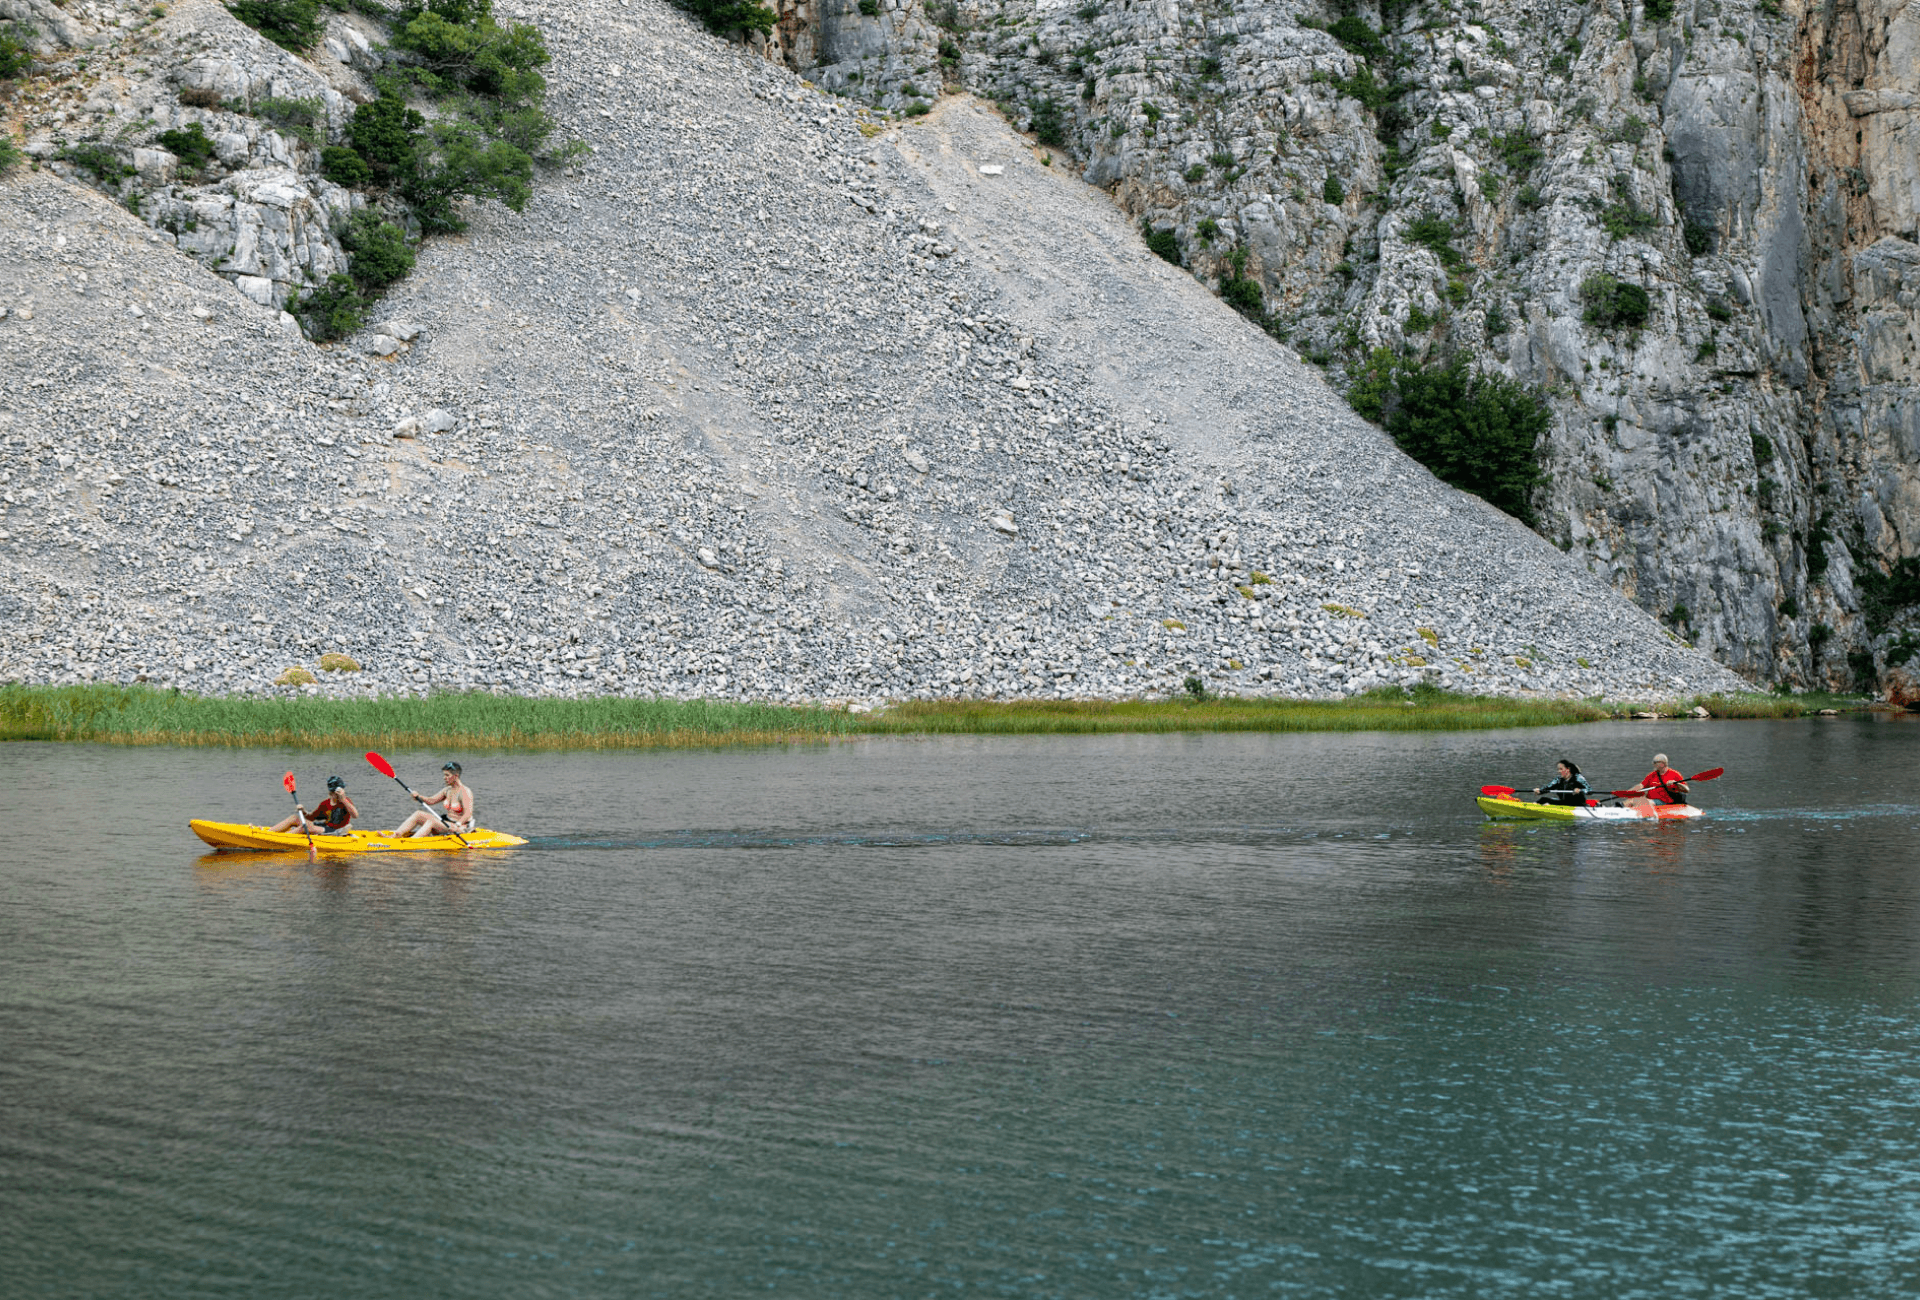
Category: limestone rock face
[1743,462]
[258,213]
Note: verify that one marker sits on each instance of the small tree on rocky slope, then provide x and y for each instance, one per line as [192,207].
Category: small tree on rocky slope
[1479,432]
[730,17]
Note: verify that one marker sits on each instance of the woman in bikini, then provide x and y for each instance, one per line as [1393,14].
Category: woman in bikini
[458,801]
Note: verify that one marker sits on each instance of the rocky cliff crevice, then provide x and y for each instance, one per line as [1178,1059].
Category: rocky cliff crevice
[1742,461]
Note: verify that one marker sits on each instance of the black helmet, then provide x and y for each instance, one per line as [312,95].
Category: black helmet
[335,783]
[450,767]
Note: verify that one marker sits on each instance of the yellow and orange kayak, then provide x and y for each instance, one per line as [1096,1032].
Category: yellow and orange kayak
[227,836]
[1516,810]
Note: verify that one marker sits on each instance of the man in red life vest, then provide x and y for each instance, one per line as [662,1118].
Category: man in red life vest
[1662,785]
[332,817]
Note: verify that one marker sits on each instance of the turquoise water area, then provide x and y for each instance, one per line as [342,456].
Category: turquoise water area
[1113,1016]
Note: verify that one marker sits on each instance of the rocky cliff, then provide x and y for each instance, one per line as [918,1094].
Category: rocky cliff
[761,397]
[1691,223]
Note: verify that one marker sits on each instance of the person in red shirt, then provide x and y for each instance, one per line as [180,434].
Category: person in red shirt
[1662,785]
[333,816]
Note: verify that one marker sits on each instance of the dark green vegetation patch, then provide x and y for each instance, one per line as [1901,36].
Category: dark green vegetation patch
[1479,432]
[15,55]
[291,24]
[189,144]
[730,17]
[1612,302]
[485,79]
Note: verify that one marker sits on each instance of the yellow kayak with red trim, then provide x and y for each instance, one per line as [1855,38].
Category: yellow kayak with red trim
[230,836]
[1504,809]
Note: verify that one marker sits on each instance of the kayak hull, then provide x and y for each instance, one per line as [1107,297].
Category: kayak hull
[236,837]
[1515,810]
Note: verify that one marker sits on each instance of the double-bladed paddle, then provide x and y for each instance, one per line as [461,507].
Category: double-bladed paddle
[1708,775]
[1508,792]
[384,768]
[287,781]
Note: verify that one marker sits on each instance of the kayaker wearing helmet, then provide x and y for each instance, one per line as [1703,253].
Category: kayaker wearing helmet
[1570,790]
[459,805]
[1662,785]
[332,817]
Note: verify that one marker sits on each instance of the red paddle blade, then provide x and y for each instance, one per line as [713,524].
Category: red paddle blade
[287,781]
[1707,775]
[380,765]
[1496,791]
[1626,794]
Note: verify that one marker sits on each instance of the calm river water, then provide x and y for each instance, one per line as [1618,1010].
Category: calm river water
[1102,1017]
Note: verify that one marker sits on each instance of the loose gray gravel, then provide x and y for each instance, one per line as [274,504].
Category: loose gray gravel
[749,403]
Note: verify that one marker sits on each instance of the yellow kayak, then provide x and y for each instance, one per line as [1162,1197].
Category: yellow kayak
[232,835]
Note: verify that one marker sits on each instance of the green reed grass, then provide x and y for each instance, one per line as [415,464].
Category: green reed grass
[1383,711]
[1755,705]
[142,715]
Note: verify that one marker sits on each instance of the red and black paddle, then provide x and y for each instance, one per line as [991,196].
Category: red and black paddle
[287,781]
[384,768]
[1508,792]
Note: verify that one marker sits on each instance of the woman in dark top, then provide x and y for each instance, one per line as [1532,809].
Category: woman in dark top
[1570,790]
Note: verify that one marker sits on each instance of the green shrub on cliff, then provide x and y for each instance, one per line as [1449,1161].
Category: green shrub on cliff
[329,311]
[459,41]
[1612,302]
[1883,595]
[291,24]
[1479,432]
[380,251]
[1163,243]
[1049,127]
[16,57]
[1241,291]
[730,17]
[386,134]
[190,144]
[344,166]
[457,160]
[1353,32]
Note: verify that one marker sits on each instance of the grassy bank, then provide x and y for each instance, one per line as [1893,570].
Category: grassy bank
[1761,706]
[144,716]
[1382,711]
